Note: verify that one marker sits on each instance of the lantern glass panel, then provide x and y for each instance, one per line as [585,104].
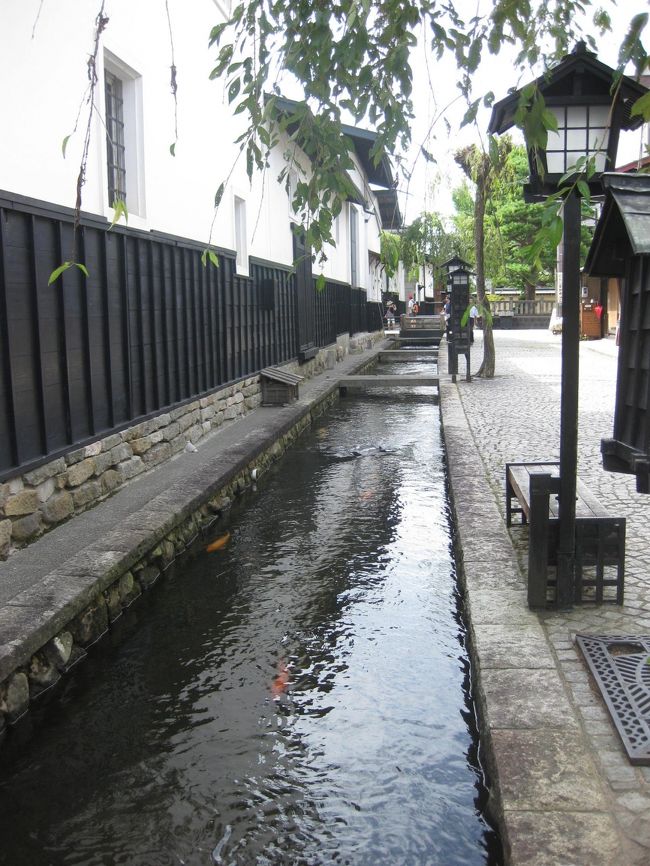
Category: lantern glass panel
[555,161]
[576,116]
[598,138]
[576,139]
[582,130]
[599,115]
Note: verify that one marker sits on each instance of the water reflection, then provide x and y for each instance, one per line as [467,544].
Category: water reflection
[295,697]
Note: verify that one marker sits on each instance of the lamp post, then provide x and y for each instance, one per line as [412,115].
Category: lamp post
[590,105]
[458,288]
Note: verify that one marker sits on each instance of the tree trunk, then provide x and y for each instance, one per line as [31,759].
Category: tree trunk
[486,370]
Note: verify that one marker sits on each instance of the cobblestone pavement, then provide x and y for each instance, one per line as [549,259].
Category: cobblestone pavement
[516,416]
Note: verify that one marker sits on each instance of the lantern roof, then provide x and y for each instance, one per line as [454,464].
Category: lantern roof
[455,263]
[581,76]
[624,225]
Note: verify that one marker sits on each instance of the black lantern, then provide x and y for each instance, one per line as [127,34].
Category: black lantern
[458,336]
[591,103]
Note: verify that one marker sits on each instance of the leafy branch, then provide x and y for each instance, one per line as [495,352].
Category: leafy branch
[89,100]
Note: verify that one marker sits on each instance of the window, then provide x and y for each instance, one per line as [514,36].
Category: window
[115,151]
[241,241]
[124,145]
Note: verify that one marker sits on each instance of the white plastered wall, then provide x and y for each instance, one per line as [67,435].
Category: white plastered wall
[43,56]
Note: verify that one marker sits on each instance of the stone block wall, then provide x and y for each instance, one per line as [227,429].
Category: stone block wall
[38,500]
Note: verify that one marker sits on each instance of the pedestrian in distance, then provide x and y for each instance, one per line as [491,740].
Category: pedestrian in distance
[446,311]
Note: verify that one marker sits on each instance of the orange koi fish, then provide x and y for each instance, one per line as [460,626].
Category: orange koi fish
[280,682]
[219,543]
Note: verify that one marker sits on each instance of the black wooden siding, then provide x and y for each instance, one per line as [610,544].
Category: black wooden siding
[149,329]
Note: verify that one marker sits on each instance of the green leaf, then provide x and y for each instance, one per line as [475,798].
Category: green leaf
[209,255]
[172,149]
[64,144]
[470,114]
[219,194]
[119,210]
[320,283]
[642,107]
[216,32]
[555,231]
[233,89]
[56,273]
[584,190]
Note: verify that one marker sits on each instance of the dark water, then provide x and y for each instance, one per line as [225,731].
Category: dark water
[298,697]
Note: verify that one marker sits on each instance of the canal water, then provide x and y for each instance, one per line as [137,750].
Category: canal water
[298,696]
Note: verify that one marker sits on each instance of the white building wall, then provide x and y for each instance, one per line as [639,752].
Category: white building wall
[43,55]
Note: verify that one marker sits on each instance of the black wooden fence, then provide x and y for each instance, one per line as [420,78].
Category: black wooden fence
[149,329]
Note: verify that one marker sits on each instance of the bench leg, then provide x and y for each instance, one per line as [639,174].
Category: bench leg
[600,544]
[538,541]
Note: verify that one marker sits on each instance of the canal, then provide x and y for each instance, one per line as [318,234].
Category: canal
[300,695]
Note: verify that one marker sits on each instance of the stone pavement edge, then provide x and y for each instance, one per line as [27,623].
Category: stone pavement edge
[564,792]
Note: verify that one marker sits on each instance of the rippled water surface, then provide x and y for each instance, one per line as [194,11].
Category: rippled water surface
[298,697]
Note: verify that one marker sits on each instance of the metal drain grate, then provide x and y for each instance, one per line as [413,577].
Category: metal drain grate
[620,667]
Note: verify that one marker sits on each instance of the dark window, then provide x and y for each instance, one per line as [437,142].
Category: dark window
[115,156]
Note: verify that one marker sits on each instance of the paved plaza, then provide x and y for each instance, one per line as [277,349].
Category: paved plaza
[569,794]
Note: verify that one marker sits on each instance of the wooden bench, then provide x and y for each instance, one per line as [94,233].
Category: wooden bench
[532,492]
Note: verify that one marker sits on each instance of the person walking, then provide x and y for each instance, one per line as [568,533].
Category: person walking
[446,311]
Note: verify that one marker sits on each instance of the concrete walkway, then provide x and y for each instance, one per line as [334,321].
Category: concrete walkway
[567,792]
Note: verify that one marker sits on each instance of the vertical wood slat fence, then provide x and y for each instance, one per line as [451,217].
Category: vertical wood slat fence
[149,329]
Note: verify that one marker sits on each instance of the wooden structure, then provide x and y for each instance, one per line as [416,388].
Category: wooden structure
[532,492]
[591,327]
[621,248]
[422,328]
[409,355]
[402,381]
[279,387]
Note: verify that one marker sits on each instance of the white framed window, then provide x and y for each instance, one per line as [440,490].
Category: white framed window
[124,134]
[241,237]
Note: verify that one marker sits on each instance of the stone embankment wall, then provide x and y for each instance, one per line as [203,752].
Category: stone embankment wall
[40,499]
[84,477]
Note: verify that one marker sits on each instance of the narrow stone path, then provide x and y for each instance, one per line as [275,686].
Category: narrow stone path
[568,792]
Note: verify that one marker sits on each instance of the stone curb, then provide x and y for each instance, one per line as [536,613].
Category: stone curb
[547,797]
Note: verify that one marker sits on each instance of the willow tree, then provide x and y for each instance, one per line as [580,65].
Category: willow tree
[353,58]
[483,169]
